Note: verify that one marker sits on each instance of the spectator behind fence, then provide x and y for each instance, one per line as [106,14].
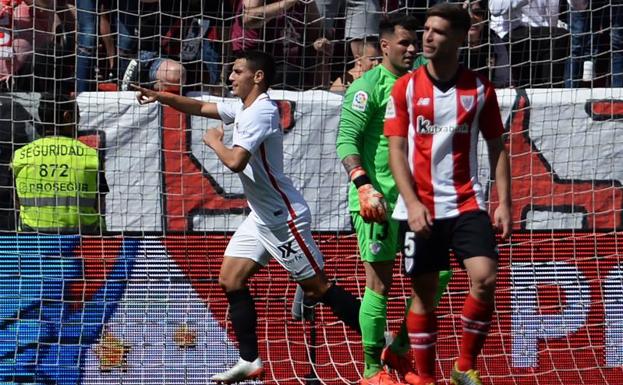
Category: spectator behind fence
[485,53]
[15,38]
[25,39]
[195,39]
[140,25]
[368,57]
[537,46]
[585,20]
[58,181]
[416,8]
[362,19]
[33,53]
[289,30]
[93,23]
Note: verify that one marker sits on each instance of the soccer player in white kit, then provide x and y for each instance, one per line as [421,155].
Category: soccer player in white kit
[279,224]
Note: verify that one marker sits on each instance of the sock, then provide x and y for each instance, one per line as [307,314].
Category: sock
[373,319]
[423,335]
[401,343]
[444,279]
[344,305]
[476,320]
[244,321]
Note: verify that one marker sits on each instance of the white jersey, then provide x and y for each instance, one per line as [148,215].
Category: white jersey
[270,194]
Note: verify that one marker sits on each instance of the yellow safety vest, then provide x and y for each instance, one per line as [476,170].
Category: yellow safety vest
[56,182]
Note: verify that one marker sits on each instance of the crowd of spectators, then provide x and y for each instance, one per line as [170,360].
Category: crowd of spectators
[89,45]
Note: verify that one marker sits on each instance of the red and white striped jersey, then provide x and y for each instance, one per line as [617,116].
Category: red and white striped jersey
[442,135]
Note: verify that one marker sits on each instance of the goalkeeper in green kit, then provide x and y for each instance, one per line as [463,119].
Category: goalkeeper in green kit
[372,196]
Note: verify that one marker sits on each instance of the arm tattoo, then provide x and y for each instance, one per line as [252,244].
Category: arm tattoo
[351,162]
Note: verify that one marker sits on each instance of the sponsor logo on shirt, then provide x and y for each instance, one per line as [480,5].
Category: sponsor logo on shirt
[423,102]
[360,101]
[424,126]
[390,110]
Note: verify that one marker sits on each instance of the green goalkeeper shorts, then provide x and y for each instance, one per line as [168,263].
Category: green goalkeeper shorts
[378,242]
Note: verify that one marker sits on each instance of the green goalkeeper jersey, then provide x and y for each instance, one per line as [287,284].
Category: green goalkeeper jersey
[361,131]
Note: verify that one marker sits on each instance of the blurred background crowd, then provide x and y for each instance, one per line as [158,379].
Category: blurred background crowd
[86,45]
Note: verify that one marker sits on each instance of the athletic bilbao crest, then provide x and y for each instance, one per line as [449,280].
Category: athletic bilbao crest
[467,101]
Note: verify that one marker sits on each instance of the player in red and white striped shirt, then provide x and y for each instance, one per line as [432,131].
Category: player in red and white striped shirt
[433,120]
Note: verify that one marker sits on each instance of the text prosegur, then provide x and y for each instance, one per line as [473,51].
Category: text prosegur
[53,186]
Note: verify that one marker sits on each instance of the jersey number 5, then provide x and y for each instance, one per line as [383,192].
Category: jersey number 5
[408,251]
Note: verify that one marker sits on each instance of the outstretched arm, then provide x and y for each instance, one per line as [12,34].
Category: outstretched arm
[181,103]
[256,13]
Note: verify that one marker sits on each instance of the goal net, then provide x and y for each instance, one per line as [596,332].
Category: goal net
[140,302]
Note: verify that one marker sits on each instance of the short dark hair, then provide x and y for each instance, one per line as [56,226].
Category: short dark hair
[456,14]
[257,60]
[52,111]
[387,26]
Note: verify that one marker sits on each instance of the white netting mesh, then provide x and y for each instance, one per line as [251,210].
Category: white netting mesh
[142,304]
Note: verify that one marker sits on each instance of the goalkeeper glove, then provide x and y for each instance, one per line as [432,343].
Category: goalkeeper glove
[372,206]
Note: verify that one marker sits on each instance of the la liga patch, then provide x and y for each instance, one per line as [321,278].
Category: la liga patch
[390,110]
[360,101]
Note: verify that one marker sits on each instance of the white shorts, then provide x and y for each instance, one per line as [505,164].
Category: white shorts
[291,244]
